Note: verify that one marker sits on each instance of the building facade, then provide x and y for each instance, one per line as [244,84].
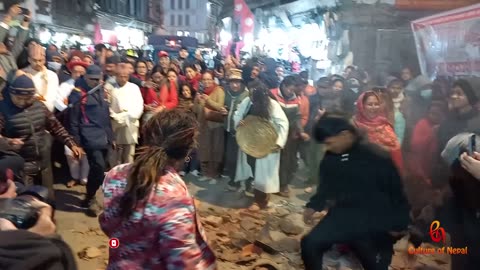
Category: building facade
[187,18]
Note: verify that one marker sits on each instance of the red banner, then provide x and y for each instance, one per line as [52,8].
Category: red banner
[449,43]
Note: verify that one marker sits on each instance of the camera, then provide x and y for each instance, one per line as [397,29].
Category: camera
[20,210]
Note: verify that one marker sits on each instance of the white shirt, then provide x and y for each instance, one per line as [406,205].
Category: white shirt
[126,109]
[46,83]
[64,92]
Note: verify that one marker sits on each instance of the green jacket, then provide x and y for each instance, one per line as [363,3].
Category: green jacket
[231,103]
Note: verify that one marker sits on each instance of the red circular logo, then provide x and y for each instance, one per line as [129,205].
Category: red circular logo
[114,243]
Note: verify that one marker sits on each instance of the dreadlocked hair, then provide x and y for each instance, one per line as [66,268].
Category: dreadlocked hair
[260,96]
[168,136]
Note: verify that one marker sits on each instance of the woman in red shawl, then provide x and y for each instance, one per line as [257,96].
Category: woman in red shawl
[193,77]
[162,97]
[371,118]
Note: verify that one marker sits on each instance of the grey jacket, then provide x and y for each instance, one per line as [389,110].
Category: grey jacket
[8,61]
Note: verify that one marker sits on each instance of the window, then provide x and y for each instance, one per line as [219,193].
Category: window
[187,4]
[187,20]
[172,20]
[172,4]
[180,4]
[180,20]
[131,8]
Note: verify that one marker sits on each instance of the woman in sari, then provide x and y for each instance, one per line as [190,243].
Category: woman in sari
[372,119]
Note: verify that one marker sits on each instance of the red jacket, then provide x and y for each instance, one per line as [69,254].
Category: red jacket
[423,147]
[167,96]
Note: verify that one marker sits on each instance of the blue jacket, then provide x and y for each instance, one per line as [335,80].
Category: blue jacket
[89,118]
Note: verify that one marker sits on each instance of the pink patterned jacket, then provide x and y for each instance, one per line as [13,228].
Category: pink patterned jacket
[163,233]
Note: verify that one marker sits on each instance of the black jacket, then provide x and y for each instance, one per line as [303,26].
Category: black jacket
[29,251]
[31,124]
[365,183]
[89,119]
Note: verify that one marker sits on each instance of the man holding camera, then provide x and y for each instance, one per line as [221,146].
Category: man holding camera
[30,247]
[24,121]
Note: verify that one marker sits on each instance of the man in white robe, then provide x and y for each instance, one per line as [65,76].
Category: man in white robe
[266,170]
[46,81]
[126,109]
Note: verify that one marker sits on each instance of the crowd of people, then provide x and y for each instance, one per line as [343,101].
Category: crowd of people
[385,156]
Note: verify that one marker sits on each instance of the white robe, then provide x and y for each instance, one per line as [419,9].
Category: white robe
[63,93]
[125,110]
[46,83]
[267,178]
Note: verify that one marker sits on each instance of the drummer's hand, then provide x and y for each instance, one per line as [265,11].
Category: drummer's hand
[241,123]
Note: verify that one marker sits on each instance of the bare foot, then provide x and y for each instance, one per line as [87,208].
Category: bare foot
[71,183]
[254,207]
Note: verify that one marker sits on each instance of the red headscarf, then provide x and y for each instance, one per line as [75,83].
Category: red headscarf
[379,129]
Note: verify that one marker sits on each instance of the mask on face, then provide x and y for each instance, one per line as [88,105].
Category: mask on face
[54,66]
[427,93]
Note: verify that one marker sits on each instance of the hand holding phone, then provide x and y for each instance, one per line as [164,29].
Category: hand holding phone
[25,11]
[472,145]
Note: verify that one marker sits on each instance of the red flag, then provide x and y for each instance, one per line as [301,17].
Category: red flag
[98,34]
[244,17]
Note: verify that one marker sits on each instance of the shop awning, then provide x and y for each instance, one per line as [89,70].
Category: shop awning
[67,30]
[110,22]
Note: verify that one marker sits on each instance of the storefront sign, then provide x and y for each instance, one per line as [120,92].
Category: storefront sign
[448,43]
[432,4]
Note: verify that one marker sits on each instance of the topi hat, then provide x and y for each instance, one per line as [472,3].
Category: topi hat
[235,74]
[36,51]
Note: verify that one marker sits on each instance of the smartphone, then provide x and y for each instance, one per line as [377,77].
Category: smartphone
[201,88]
[472,145]
[25,11]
